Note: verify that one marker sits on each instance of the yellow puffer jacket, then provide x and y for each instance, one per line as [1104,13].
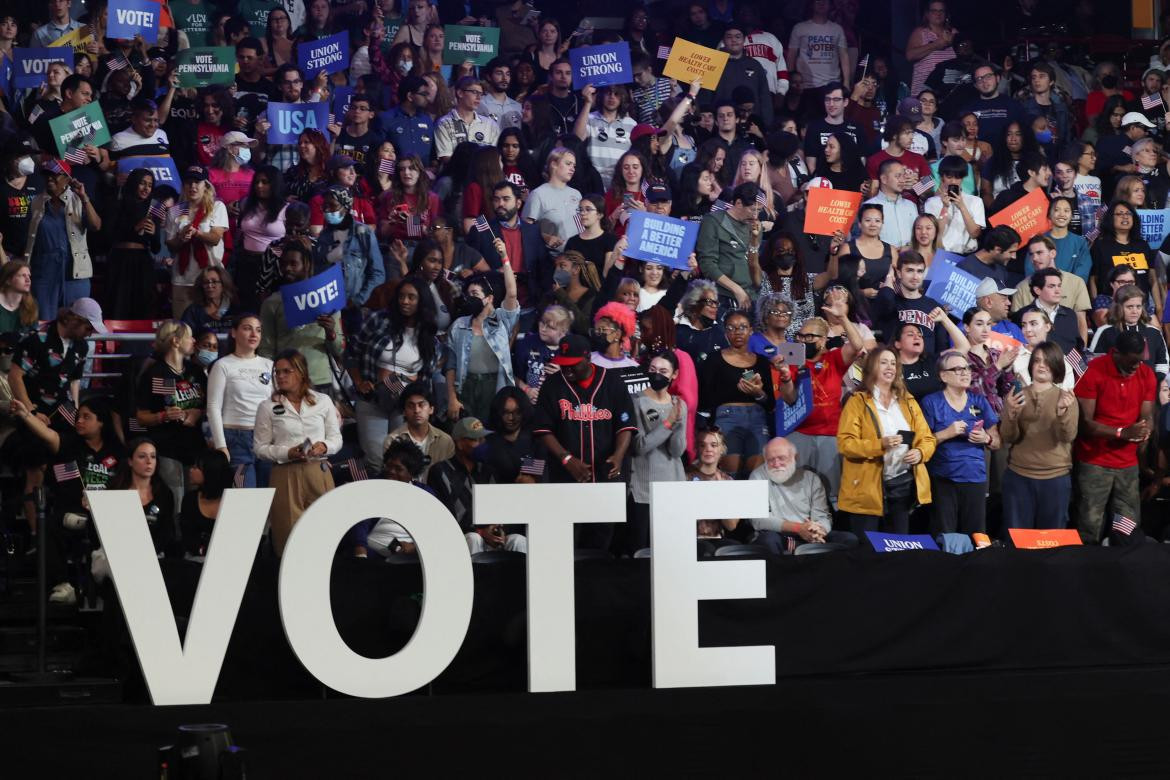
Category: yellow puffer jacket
[859,441]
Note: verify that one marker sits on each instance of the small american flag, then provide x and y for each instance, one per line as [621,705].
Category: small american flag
[1151,101]
[414,226]
[1077,361]
[54,166]
[156,210]
[1126,151]
[240,475]
[663,52]
[68,412]
[1093,233]
[117,63]
[64,472]
[532,466]
[332,119]
[761,198]
[393,383]
[577,222]
[481,224]
[387,166]
[76,156]
[1124,525]
[863,63]
[160,386]
[184,209]
[719,205]
[356,470]
[136,427]
[924,185]
[645,187]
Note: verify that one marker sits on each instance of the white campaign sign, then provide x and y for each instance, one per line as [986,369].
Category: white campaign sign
[186,673]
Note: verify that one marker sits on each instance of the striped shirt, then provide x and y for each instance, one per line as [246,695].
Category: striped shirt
[925,66]
[648,99]
[608,141]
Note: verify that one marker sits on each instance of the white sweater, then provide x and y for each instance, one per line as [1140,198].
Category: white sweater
[235,389]
[279,427]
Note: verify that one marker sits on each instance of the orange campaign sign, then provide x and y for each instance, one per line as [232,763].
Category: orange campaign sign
[829,210]
[1001,341]
[1028,216]
[689,61]
[1038,539]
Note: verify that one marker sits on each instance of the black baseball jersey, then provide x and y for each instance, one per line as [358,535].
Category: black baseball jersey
[585,420]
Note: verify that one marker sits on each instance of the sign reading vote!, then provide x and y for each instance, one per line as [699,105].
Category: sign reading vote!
[660,239]
[162,168]
[289,120]
[32,65]
[601,65]
[305,301]
[134,17]
[329,54]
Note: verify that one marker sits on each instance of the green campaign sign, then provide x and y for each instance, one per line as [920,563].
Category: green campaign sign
[478,44]
[206,65]
[82,126]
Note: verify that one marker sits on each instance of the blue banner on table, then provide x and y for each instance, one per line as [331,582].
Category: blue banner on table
[305,301]
[1155,226]
[884,543]
[341,100]
[31,68]
[948,285]
[329,54]
[163,169]
[789,417]
[128,18]
[660,239]
[289,120]
[601,65]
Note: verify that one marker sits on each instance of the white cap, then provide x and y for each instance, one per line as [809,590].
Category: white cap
[1136,118]
[989,286]
[236,137]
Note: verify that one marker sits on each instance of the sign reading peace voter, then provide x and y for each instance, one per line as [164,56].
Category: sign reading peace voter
[289,120]
[317,295]
[128,18]
[329,54]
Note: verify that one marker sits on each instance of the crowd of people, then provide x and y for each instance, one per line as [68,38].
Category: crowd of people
[495,328]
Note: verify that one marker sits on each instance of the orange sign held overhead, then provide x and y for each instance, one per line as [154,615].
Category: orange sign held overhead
[1001,341]
[689,61]
[1035,539]
[1028,216]
[828,210]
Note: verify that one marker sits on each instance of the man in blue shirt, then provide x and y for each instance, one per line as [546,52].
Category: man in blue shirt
[59,24]
[993,110]
[997,301]
[409,125]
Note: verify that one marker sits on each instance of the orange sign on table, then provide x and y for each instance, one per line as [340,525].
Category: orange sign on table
[1034,539]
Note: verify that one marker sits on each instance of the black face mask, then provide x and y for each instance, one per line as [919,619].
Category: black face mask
[1109,81]
[786,261]
[658,382]
[707,321]
[472,307]
[598,342]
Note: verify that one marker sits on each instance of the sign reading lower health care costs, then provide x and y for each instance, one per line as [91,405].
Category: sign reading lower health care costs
[948,285]
[203,66]
[601,65]
[305,301]
[829,210]
[80,127]
[289,120]
[1155,225]
[128,18]
[329,54]
[884,543]
[689,61]
[1044,539]
[660,239]
[32,65]
[1028,216]
[162,168]
[477,44]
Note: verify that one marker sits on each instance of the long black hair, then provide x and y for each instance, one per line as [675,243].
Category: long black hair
[496,413]
[424,319]
[218,474]
[447,291]
[131,205]
[275,200]
[524,162]
[1002,164]
[799,285]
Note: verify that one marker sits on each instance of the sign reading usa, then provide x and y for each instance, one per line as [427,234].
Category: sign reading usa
[133,17]
[32,65]
[162,168]
[330,54]
[288,120]
[317,295]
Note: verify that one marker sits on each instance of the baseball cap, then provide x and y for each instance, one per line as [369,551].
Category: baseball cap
[195,173]
[989,286]
[1154,71]
[1136,118]
[340,161]
[468,428]
[658,193]
[89,309]
[911,108]
[236,137]
[642,130]
[572,350]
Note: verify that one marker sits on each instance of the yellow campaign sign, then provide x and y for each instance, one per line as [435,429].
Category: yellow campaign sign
[689,61]
[78,39]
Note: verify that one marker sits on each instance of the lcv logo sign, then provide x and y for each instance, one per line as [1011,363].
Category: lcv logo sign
[186,673]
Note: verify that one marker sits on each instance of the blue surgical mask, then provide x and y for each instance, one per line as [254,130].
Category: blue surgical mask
[334,217]
[1044,137]
[405,67]
[245,156]
[207,356]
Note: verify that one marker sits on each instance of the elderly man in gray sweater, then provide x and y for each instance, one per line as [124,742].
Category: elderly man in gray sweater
[798,510]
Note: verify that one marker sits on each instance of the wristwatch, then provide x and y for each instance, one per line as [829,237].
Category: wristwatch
[568,457]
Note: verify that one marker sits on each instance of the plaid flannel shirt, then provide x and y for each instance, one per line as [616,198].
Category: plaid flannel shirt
[363,350]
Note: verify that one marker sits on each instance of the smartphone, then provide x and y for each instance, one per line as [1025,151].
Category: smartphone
[978,426]
[907,437]
[794,353]
[627,199]
[749,375]
[1017,387]
[953,190]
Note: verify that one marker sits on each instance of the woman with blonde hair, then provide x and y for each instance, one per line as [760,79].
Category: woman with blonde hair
[555,201]
[194,230]
[752,168]
[18,306]
[1132,190]
[884,442]
[297,429]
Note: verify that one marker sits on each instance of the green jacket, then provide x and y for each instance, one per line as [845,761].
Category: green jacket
[309,340]
[722,251]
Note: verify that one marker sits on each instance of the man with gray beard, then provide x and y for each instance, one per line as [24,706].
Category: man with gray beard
[798,511]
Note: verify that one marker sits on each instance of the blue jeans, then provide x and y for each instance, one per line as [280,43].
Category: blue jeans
[52,286]
[745,428]
[1035,503]
[239,445]
[778,543]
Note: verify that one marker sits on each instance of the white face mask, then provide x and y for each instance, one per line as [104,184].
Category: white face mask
[26,166]
[405,66]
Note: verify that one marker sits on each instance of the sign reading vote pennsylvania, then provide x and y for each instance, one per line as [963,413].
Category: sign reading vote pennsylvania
[885,543]
[82,126]
[321,294]
[330,54]
[205,65]
[659,239]
[948,285]
[162,168]
[134,17]
[289,120]
[601,65]
[32,65]
[477,44]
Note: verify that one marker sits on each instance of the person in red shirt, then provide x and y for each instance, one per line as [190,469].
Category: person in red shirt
[1116,395]
[898,135]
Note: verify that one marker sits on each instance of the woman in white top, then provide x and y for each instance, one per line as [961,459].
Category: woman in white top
[236,385]
[1036,327]
[297,429]
[654,285]
[555,200]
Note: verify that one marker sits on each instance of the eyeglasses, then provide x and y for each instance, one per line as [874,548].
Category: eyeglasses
[1123,215]
[808,336]
[778,313]
[478,92]
[957,370]
[741,328]
[604,331]
[985,77]
[708,302]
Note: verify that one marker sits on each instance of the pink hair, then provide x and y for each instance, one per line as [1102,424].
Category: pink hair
[622,315]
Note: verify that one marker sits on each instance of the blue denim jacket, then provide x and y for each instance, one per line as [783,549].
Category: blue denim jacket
[497,330]
[361,261]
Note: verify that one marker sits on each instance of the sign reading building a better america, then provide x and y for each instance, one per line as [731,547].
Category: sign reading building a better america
[601,65]
[205,65]
[475,44]
[32,65]
[660,239]
[329,54]
[317,295]
[80,127]
[289,120]
[128,18]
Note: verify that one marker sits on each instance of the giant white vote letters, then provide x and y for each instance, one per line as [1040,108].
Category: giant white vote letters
[186,672]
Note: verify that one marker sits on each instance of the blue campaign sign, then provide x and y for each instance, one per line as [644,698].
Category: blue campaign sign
[1155,225]
[305,301]
[789,418]
[289,120]
[884,543]
[128,18]
[340,105]
[164,169]
[32,65]
[601,65]
[659,239]
[948,285]
[329,54]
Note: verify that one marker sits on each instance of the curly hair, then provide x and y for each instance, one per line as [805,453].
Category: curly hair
[620,315]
